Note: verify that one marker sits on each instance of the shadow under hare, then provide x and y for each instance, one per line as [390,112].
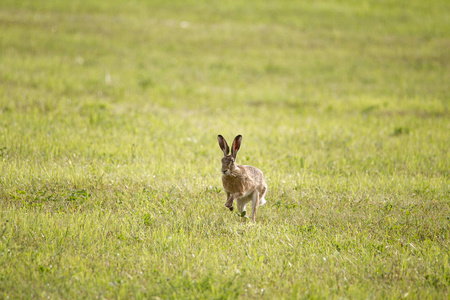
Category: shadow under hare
[241,183]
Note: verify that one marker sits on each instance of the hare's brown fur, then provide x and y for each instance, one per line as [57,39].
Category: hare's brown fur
[241,183]
[244,179]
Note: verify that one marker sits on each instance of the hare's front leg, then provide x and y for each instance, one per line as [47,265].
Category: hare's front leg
[230,200]
[255,204]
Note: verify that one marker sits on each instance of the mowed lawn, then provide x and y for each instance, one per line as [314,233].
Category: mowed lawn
[110,183]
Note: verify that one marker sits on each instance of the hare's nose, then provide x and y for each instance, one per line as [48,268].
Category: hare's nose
[224,171]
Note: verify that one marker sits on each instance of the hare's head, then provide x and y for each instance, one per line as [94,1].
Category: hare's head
[228,160]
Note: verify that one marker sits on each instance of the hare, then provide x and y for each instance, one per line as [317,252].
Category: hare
[241,183]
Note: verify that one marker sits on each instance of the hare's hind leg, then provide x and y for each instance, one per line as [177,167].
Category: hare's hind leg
[262,201]
[255,204]
[241,204]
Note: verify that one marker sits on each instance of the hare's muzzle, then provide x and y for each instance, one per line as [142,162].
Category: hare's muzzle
[224,172]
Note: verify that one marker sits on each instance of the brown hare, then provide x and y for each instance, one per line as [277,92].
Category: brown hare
[241,183]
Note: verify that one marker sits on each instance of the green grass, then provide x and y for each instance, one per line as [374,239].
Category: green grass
[109,164]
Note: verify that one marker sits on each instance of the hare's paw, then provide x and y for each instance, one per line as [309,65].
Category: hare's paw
[262,201]
[229,205]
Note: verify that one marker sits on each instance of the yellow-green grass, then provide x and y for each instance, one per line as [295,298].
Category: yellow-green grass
[110,168]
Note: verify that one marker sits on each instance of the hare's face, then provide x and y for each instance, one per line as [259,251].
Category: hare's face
[227,164]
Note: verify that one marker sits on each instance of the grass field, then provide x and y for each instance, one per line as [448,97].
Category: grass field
[110,182]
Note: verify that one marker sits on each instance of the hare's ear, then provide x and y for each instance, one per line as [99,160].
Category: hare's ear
[223,145]
[236,146]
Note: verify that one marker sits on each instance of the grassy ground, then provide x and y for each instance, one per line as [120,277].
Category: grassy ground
[109,164]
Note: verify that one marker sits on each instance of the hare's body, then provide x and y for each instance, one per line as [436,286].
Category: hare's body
[244,180]
[241,183]
[245,184]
